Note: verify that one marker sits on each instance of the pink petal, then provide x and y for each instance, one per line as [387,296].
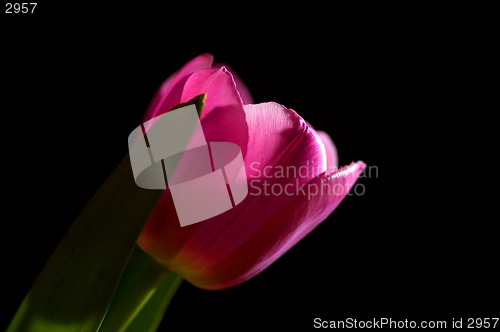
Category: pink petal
[223,118]
[280,232]
[245,94]
[332,160]
[308,210]
[281,137]
[169,93]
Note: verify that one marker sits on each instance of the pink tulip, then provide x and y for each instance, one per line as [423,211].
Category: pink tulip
[232,247]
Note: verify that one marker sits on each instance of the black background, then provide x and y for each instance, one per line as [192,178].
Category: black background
[76,79]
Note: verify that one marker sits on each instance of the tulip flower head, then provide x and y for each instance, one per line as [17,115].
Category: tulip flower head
[293,178]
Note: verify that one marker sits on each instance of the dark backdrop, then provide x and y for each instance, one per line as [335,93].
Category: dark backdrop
[76,79]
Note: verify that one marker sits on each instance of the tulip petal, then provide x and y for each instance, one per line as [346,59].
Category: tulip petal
[245,94]
[280,232]
[332,159]
[279,139]
[169,93]
[223,118]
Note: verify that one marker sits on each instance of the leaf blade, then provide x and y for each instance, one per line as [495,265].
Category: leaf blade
[152,314]
[75,288]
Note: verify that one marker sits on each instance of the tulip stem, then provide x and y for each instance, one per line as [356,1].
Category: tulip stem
[141,279]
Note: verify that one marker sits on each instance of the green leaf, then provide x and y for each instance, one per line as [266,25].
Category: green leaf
[143,289]
[151,315]
[199,101]
[142,297]
[76,286]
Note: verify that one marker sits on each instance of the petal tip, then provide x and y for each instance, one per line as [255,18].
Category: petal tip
[361,164]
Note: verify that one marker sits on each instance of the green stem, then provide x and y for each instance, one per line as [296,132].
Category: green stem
[152,314]
[140,280]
